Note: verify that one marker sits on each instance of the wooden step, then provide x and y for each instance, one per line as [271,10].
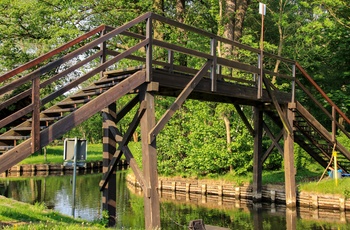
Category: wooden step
[73,102]
[84,95]
[59,110]
[5,148]
[3,138]
[111,79]
[99,87]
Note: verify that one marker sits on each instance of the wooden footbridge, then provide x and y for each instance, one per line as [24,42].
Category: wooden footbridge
[95,73]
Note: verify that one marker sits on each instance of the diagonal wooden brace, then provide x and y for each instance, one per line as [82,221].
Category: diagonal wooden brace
[274,142]
[123,147]
[178,102]
[284,119]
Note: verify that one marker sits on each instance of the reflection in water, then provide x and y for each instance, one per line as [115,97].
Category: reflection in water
[177,209]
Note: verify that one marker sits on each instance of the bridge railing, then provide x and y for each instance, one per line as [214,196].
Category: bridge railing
[323,106]
[137,43]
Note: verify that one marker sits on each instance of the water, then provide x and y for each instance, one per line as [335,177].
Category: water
[177,210]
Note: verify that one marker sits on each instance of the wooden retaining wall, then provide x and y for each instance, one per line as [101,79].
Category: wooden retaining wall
[55,169]
[273,194]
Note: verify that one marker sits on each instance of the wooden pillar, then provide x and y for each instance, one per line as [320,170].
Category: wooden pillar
[109,148]
[257,158]
[289,170]
[149,161]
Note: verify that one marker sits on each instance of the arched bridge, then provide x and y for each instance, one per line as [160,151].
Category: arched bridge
[31,120]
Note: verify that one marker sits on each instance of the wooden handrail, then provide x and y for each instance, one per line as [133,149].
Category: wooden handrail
[50,54]
[324,95]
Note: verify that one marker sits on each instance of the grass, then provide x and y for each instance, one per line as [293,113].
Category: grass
[54,155]
[328,186]
[18,215]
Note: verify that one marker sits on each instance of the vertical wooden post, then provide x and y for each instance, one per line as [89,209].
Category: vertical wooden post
[289,170]
[149,161]
[36,114]
[104,54]
[109,148]
[213,75]
[149,33]
[257,158]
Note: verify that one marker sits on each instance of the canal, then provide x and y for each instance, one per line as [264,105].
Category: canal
[177,210]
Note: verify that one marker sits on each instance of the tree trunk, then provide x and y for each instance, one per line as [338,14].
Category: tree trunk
[158,8]
[228,136]
[180,17]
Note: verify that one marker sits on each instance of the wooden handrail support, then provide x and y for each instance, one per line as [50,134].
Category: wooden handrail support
[324,95]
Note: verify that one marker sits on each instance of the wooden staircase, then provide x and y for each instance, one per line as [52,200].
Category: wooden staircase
[66,114]
[317,141]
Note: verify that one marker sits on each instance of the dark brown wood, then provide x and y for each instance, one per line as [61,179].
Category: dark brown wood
[36,115]
[328,136]
[257,156]
[178,102]
[289,170]
[149,37]
[109,196]
[16,115]
[149,162]
[274,143]
[123,146]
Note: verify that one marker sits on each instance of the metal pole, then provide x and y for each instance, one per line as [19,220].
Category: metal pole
[74,174]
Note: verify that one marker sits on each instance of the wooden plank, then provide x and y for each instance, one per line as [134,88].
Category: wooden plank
[93,72]
[324,132]
[20,113]
[36,115]
[238,65]
[92,107]
[178,102]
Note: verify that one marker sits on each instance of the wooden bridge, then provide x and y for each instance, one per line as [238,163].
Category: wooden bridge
[31,120]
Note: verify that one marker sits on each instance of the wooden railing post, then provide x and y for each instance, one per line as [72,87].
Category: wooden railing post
[334,125]
[171,60]
[259,80]
[103,52]
[293,84]
[36,114]
[213,75]
[149,36]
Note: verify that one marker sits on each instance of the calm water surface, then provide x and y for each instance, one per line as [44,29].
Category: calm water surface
[176,209]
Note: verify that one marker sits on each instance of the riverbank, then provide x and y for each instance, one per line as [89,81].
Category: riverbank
[19,215]
[270,193]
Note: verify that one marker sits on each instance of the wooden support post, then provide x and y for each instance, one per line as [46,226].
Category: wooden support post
[109,148]
[289,170]
[257,158]
[149,161]
[36,115]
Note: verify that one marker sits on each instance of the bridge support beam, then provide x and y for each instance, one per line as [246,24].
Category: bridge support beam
[289,170]
[109,148]
[257,158]
[149,162]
